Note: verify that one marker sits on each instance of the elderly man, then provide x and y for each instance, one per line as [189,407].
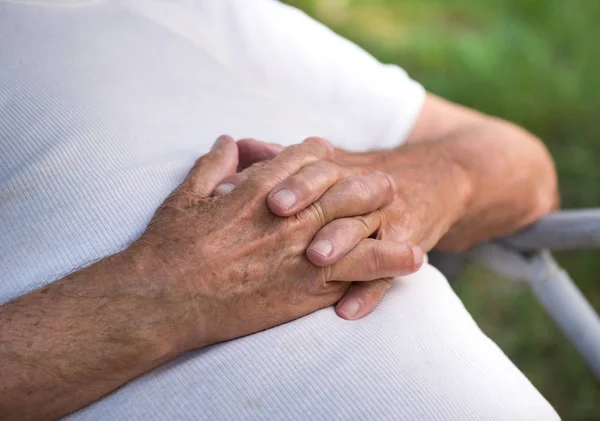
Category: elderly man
[217,306]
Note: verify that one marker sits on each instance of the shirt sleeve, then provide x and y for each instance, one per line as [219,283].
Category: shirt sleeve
[352,99]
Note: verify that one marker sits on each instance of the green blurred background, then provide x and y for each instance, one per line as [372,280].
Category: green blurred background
[534,62]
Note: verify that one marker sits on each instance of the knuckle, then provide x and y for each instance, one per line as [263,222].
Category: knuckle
[322,145]
[317,213]
[298,149]
[263,180]
[318,140]
[375,259]
[287,163]
[202,160]
[345,226]
[213,154]
[315,179]
[341,233]
[299,183]
[335,232]
[377,184]
[362,224]
[329,166]
[199,164]
[248,173]
[326,168]
[360,189]
[254,167]
[271,176]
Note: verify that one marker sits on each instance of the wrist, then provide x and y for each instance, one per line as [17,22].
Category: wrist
[144,309]
[178,319]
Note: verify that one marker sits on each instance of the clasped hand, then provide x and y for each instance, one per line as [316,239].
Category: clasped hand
[233,267]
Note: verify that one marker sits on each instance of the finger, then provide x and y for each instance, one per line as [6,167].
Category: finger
[220,162]
[352,196]
[373,259]
[361,298]
[303,188]
[288,162]
[231,182]
[252,151]
[338,237]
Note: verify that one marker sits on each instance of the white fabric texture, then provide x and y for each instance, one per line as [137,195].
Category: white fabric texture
[104,106]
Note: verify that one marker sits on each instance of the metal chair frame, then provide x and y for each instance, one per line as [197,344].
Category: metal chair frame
[526,257]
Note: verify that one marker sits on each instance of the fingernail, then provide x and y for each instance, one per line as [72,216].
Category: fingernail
[350,307]
[221,140]
[392,183]
[323,247]
[418,256]
[223,189]
[286,198]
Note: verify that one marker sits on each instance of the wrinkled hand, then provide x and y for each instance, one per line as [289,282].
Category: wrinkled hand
[232,267]
[431,194]
[337,238]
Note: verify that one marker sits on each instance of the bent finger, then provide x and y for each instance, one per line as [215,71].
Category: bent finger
[287,163]
[253,151]
[338,237]
[231,182]
[361,298]
[352,196]
[372,259]
[210,169]
[302,189]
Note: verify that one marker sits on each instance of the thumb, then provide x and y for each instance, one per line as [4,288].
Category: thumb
[220,162]
[252,151]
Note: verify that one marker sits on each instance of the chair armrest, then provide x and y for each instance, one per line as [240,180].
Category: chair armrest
[563,230]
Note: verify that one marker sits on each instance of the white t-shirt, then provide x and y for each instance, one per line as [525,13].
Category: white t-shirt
[104,106]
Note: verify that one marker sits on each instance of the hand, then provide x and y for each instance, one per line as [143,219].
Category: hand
[432,191]
[431,195]
[230,267]
[337,238]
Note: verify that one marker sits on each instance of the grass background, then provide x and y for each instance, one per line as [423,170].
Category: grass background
[534,62]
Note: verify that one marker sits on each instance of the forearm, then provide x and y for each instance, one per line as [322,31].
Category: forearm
[474,183]
[77,339]
[513,181]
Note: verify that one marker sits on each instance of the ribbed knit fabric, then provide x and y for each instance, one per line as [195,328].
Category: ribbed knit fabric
[104,106]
